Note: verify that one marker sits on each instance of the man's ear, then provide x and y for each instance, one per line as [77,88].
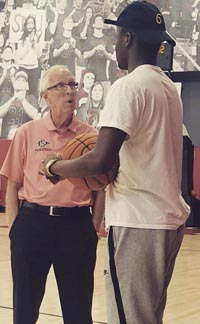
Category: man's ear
[129,40]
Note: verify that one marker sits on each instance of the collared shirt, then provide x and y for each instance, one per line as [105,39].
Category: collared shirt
[32,142]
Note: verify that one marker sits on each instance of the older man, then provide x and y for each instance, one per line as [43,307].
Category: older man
[51,225]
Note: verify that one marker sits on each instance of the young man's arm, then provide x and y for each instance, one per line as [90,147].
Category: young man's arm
[98,161]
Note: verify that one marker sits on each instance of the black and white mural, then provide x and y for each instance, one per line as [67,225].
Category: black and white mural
[36,34]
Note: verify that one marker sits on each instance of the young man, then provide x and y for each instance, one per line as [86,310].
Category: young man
[51,225]
[145,212]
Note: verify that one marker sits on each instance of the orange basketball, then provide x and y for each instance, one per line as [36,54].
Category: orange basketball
[80,145]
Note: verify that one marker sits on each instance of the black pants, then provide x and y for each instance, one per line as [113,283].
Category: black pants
[68,243]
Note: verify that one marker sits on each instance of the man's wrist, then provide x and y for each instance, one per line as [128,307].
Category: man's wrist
[48,167]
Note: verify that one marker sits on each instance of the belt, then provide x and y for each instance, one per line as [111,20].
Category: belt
[53,210]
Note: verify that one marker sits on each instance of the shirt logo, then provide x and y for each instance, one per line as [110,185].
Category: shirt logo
[42,143]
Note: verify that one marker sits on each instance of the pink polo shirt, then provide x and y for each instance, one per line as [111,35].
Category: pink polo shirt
[32,142]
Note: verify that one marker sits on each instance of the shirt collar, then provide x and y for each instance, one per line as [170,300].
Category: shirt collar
[51,127]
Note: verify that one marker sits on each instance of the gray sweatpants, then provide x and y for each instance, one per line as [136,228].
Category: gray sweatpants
[144,262]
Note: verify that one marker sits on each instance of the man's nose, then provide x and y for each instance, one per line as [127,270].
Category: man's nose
[68,89]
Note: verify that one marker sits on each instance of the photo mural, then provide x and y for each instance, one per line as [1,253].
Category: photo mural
[37,34]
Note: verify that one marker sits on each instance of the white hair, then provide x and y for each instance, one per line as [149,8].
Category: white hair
[45,77]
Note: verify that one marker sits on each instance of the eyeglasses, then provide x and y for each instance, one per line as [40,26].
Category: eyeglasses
[62,85]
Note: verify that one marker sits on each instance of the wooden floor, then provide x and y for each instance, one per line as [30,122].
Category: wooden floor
[183,305]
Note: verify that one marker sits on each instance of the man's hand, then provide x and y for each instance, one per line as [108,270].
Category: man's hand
[20,95]
[46,165]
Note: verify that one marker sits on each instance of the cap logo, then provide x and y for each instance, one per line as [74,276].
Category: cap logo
[159,19]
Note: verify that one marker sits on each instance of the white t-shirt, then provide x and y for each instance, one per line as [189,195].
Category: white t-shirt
[146,194]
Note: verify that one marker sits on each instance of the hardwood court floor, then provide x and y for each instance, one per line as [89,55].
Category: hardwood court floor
[183,305]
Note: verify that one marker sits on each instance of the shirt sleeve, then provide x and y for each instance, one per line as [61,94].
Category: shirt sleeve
[13,166]
[123,109]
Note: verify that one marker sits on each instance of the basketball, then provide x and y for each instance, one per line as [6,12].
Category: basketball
[80,145]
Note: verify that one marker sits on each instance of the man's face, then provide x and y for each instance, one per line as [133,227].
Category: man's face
[88,79]
[68,24]
[7,54]
[121,52]
[20,84]
[62,4]
[41,3]
[60,100]
[98,23]
[78,3]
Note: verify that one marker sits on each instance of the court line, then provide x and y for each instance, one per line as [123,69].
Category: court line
[49,314]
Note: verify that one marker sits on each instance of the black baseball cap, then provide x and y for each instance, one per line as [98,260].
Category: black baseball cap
[146,20]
